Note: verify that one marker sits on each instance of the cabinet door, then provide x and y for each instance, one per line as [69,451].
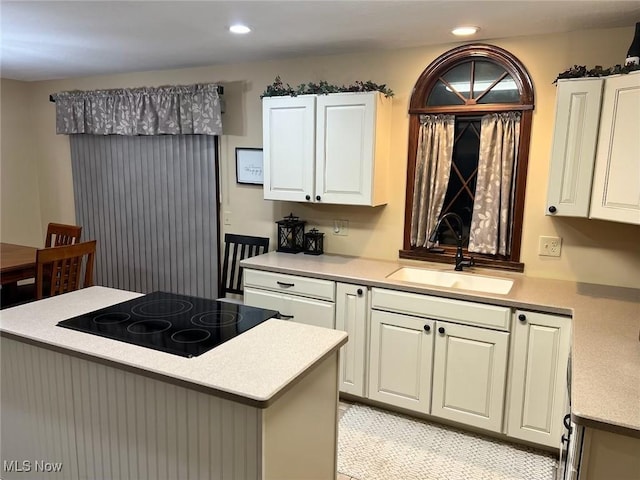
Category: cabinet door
[469,374]
[288,126]
[351,316]
[346,148]
[574,146]
[616,182]
[400,360]
[538,385]
[296,309]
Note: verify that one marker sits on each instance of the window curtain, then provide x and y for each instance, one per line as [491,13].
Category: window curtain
[433,167]
[151,203]
[495,190]
[171,110]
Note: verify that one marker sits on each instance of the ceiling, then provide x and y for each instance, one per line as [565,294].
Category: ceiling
[43,40]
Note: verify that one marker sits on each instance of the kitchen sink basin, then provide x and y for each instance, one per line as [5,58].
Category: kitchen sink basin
[464,281]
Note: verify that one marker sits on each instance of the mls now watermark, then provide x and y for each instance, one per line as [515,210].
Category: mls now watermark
[39,466]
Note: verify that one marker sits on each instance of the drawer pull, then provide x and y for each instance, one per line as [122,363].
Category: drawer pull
[285,284]
[285,317]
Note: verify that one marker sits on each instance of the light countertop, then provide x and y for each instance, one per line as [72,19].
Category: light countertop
[605,390]
[253,368]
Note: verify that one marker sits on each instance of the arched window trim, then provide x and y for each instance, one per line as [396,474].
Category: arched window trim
[417,107]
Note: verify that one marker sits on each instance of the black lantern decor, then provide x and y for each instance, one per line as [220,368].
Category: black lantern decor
[313,242]
[290,234]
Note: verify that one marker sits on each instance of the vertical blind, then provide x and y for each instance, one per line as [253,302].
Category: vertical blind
[151,202]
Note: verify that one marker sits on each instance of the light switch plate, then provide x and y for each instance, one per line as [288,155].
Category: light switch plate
[550,246]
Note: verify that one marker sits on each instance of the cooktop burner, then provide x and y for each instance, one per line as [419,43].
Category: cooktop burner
[178,324]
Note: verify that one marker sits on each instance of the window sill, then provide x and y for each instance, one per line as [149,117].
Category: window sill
[448,256]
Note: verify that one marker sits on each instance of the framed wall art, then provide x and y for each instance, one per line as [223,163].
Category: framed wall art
[249,166]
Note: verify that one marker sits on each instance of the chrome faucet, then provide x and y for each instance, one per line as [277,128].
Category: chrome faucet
[460,260]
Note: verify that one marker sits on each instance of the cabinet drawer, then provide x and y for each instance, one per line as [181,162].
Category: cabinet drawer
[291,284]
[441,308]
[295,309]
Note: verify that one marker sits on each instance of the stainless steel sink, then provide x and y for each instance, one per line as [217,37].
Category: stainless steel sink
[464,281]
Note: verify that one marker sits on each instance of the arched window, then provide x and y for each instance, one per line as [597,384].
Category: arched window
[470,125]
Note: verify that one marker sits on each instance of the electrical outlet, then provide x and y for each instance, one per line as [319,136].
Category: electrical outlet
[227,218]
[341,227]
[550,246]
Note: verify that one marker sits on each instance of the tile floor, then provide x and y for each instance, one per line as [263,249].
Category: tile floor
[342,408]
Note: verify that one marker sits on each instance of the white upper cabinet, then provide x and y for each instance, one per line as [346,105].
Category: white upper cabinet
[595,162]
[288,130]
[616,184]
[327,148]
[574,146]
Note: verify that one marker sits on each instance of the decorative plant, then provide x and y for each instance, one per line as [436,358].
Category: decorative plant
[279,89]
[580,71]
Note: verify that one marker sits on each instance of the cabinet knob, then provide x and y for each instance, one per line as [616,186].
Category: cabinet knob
[441,329]
[427,328]
[318,198]
[308,197]
[522,317]
[552,209]
[359,292]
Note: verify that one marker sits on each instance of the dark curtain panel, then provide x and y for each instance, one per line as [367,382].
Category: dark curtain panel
[151,202]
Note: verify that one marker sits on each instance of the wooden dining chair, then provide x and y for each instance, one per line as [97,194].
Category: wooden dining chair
[58,269]
[60,234]
[237,248]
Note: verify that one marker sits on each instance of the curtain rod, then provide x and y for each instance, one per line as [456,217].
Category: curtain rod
[220,92]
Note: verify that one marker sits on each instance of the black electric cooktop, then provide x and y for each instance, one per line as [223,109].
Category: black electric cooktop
[177,324]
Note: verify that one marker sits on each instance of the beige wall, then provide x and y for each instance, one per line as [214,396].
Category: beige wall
[20,220]
[593,251]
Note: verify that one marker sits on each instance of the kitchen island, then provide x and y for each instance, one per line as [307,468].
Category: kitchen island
[262,405]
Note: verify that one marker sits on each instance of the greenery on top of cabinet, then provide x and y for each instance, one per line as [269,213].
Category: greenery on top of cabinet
[279,89]
[580,71]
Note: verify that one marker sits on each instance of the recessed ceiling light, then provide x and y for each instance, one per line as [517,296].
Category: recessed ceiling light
[462,31]
[239,28]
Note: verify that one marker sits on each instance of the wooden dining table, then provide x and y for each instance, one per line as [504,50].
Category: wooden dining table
[18,262]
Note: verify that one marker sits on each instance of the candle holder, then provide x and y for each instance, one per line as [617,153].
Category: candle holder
[290,234]
[313,242]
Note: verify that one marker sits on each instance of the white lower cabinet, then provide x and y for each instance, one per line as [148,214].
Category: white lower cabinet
[439,356]
[400,360]
[538,381]
[299,299]
[351,317]
[297,309]
[433,355]
[469,375]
